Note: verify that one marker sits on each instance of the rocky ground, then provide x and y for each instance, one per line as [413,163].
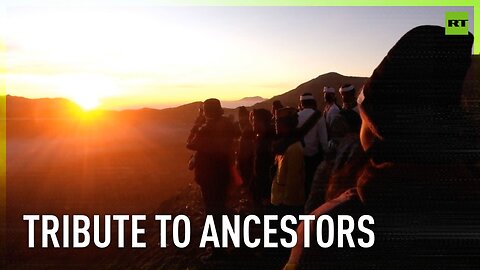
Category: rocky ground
[188,202]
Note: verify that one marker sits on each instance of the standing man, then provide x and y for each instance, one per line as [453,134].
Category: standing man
[245,150]
[263,158]
[332,118]
[331,110]
[288,186]
[313,135]
[349,102]
[349,111]
[213,143]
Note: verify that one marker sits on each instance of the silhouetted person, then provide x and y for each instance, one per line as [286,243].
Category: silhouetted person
[245,151]
[199,121]
[213,144]
[288,184]
[350,157]
[349,112]
[335,176]
[335,127]
[313,134]
[288,187]
[263,158]
[331,109]
[349,101]
[421,183]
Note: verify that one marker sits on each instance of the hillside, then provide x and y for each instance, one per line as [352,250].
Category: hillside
[182,116]
[19,107]
[314,86]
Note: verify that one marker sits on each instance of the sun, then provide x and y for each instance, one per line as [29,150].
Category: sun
[87,103]
[87,90]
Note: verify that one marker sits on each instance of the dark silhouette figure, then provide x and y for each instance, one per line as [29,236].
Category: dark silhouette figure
[339,173]
[333,121]
[421,183]
[347,92]
[199,121]
[335,176]
[263,158]
[349,112]
[288,186]
[245,151]
[312,132]
[213,143]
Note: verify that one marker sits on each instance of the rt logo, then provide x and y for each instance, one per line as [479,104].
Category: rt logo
[456,23]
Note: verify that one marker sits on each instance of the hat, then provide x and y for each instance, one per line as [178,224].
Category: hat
[329,90]
[424,64]
[212,107]
[346,88]
[307,96]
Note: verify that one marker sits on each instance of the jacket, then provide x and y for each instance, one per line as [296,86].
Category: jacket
[288,186]
[316,140]
[213,144]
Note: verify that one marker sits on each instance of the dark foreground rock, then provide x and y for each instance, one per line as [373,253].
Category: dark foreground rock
[188,202]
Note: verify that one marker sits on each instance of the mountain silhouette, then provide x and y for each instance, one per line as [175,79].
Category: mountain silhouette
[247,102]
[19,107]
[314,86]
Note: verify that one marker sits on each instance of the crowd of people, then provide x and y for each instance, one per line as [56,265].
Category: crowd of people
[400,148]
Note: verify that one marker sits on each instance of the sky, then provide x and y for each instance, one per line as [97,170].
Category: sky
[116,57]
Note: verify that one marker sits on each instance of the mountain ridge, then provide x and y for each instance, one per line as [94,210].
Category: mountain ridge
[48,107]
[15,103]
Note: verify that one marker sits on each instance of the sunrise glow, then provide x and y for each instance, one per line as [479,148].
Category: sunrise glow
[87,90]
[121,57]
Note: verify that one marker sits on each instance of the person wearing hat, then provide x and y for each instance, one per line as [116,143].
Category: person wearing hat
[345,157]
[288,186]
[331,110]
[313,134]
[418,150]
[347,92]
[349,112]
[335,176]
[333,121]
[213,143]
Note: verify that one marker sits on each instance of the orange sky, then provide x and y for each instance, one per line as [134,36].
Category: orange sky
[117,57]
